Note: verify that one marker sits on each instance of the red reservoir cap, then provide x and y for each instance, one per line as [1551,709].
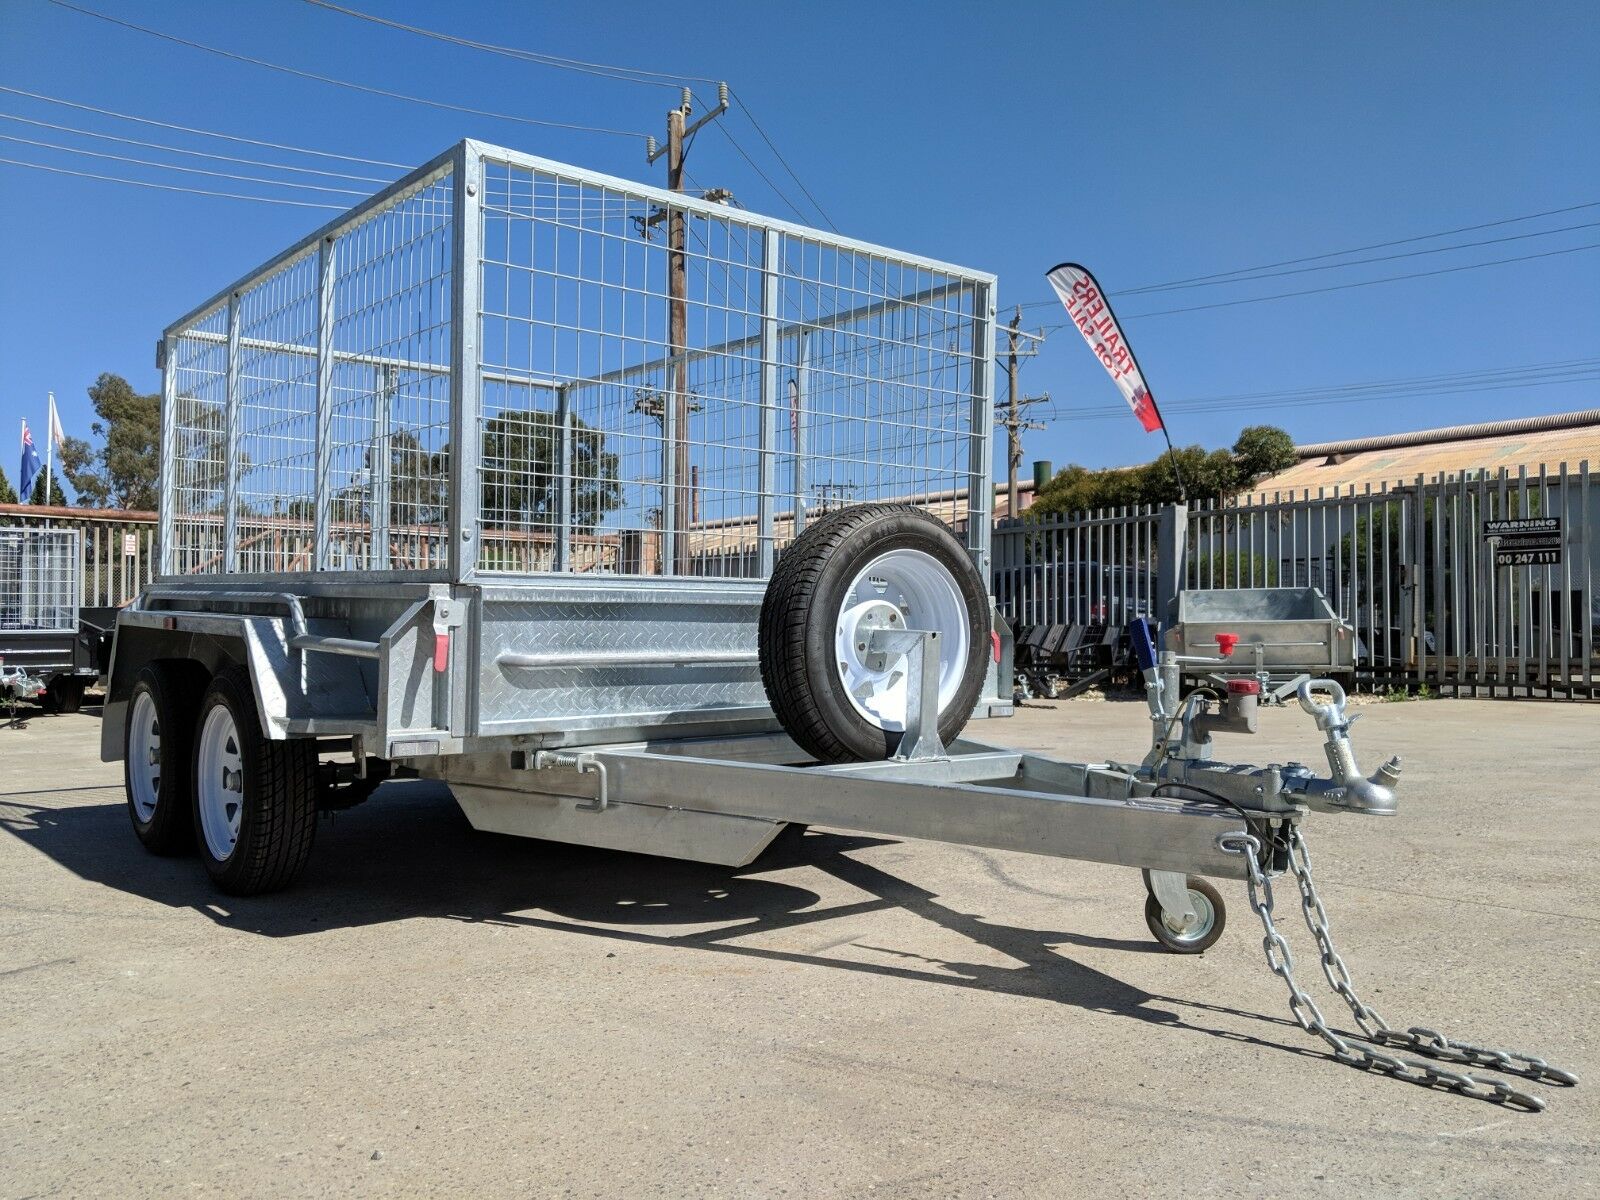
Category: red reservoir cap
[1226,642]
[1244,687]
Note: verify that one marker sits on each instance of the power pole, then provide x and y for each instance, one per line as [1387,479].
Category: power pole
[676,428]
[1015,406]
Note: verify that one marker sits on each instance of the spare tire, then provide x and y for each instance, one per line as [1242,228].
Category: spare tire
[838,578]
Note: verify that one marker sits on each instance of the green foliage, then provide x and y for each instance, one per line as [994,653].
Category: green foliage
[1400,694]
[57,496]
[8,494]
[1233,568]
[1209,475]
[122,473]
[522,475]
[1262,450]
[520,472]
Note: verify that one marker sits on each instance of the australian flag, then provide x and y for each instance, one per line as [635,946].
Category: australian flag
[30,465]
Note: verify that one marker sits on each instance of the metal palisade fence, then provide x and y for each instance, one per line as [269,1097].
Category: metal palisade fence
[1477,584]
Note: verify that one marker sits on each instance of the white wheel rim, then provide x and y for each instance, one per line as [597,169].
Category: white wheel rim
[925,595]
[1205,916]
[144,757]
[219,782]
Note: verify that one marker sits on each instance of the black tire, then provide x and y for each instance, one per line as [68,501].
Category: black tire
[798,617]
[174,689]
[64,695]
[278,812]
[1189,943]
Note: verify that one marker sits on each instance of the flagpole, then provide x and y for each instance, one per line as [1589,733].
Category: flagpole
[49,450]
[1183,492]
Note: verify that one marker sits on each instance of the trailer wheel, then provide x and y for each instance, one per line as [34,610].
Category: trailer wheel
[846,570]
[156,762]
[64,696]
[1208,906]
[255,800]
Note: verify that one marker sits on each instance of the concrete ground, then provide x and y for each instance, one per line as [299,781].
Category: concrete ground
[433,1009]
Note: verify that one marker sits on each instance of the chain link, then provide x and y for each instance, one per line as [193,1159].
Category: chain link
[1280,959]
[1418,1039]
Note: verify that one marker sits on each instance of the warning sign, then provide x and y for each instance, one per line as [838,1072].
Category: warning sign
[1525,541]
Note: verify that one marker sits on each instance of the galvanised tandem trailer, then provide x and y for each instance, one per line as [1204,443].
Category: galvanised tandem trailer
[641,522]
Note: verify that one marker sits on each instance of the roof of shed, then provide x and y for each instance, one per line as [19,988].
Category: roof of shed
[1570,438]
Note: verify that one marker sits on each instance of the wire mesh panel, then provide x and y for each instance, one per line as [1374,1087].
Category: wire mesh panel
[196,448]
[673,391]
[311,406]
[389,423]
[648,385]
[275,420]
[38,580]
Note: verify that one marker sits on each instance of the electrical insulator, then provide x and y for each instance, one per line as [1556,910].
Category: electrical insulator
[722,94]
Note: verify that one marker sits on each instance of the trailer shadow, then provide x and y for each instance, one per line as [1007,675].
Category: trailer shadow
[411,854]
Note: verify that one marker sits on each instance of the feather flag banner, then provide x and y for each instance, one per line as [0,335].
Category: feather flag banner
[1090,311]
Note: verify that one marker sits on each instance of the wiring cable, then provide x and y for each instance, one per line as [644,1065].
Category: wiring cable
[344,83]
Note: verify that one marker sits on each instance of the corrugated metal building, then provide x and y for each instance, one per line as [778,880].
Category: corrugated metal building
[1456,450]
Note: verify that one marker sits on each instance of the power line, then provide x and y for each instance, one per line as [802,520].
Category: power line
[608,71]
[343,83]
[1243,274]
[776,191]
[145,162]
[1421,237]
[1410,380]
[1358,262]
[1495,379]
[227,137]
[249,162]
[605,70]
[165,187]
[745,108]
[1340,287]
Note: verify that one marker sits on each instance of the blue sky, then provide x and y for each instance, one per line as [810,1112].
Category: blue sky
[1152,143]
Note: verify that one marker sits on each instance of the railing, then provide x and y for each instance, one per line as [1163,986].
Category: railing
[117,551]
[1438,590]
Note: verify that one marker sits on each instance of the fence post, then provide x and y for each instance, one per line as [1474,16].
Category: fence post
[1172,544]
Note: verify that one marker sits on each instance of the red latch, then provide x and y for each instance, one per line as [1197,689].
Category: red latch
[994,643]
[1226,642]
[1244,687]
[441,651]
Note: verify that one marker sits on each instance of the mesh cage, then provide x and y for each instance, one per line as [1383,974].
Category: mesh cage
[650,385]
[803,374]
[39,580]
[362,319]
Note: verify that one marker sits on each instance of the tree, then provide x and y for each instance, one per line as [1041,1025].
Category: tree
[57,496]
[123,473]
[8,494]
[520,477]
[521,474]
[1262,450]
[1207,475]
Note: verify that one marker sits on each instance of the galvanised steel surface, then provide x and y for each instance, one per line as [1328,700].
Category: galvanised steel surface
[474,371]
[39,581]
[471,379]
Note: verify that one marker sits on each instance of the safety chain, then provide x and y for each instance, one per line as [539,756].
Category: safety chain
[1418,1038]
[1309,1017]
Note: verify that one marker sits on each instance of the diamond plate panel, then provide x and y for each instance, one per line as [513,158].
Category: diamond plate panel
[623,620]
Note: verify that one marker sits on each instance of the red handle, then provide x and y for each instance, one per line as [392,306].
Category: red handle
[441,652]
